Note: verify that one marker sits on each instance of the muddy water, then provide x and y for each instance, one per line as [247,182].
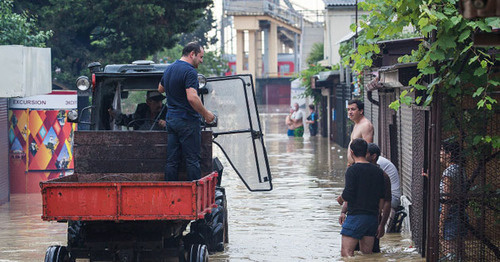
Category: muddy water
[297,221]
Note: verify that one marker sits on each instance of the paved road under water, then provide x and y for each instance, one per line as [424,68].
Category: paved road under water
[297,221]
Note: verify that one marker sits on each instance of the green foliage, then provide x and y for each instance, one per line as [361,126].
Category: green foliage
[129,105]
[306,75]
[316,53]
[448,63]
[205,24]
[19,29]
[111,31]
[169,55]
[450,67]
[446,53]
[492,200]
[213,63]
[314,57]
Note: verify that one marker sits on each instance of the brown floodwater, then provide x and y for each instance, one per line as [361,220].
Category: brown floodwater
[296,221]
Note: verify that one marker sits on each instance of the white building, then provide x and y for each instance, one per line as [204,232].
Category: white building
[25,71]
[340,15]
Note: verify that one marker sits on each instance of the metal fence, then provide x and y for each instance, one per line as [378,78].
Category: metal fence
[466,201]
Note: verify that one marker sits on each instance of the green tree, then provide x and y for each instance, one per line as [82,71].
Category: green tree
[447,60]
[169,55]
[213,63]
[305,77]
[206,24]
[111,31]
[446,55]
[19,29]
[316,53]
[451,66]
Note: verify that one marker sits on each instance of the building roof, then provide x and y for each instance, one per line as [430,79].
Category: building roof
[348,36]
[331,3]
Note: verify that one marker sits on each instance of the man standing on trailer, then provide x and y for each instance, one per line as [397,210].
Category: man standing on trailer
[180,84]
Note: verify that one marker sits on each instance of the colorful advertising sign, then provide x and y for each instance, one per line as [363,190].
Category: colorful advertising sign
[41,140]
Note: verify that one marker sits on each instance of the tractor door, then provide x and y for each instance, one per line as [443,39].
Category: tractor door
[239,132]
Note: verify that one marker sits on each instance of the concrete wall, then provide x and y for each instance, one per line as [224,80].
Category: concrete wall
[25,71]
[337,24]
[4,152]
[311,33]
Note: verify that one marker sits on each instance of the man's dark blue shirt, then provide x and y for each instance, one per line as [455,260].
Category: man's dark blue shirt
[178,77]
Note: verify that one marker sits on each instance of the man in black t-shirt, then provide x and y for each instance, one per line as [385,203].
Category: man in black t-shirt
[364,191]
[180,84]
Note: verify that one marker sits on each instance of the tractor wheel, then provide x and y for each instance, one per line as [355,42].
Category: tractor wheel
[212,230]
[198,253]
[221,200]
[76,236]
[56,254]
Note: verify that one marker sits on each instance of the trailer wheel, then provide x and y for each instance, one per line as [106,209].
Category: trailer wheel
[198,253]
[56,254]
[76,236]
[212,230]
[221,201]
[221,217]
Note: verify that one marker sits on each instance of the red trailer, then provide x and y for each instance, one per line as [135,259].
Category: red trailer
[118,206]
[73,198]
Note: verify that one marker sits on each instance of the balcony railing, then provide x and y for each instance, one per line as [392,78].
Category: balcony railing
[263,7]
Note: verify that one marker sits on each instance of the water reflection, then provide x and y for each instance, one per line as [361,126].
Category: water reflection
[24,236]
[297,221]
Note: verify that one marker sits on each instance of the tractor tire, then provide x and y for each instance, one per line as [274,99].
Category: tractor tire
[212,230]
[57,254]
[198,253]
[220,200]
[76,235]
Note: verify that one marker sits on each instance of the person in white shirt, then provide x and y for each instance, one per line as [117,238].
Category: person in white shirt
[388,167]
[392,172]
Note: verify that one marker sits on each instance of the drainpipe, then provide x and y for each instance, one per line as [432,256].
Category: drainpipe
[431,221]
[432,244]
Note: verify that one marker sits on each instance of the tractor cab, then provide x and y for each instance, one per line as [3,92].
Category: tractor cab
[123,88]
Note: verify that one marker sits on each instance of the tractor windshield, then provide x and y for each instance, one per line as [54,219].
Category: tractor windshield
[238,132]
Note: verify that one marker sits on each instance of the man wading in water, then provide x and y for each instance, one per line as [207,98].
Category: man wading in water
[364,192]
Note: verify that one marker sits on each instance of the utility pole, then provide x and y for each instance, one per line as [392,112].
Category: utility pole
[222,29]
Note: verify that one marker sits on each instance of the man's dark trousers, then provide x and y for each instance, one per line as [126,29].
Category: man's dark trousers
[184,139]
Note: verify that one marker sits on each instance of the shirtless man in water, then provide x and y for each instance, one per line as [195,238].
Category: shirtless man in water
[294,121]
[363,128]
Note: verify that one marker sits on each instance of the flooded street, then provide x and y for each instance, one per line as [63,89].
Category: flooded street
[296,221]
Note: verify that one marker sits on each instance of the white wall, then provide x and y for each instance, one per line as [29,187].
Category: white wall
[25,71]
[337,25]
[311,33]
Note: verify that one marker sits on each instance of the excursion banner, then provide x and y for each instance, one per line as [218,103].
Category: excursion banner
[41,140]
